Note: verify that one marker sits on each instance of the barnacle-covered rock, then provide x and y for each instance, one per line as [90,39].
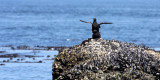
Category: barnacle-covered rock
[98,59]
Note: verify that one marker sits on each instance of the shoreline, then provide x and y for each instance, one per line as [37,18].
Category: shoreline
[52,48]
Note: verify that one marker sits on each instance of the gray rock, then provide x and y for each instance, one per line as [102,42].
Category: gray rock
[98,59]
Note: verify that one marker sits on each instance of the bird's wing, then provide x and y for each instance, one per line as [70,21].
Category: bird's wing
[106,23]
[85,22]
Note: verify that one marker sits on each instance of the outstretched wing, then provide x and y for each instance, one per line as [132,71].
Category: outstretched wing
[105,23]
[85,22]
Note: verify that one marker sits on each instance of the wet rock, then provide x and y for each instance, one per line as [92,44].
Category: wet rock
[24,47]
[11,58]
[40,61]
[98,59]
[2,64]
[4,61]
[9,55]
[30,62]
[31,56]
[2,51]
[48,56]
[18,59]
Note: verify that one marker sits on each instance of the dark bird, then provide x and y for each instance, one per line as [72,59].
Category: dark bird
[95,28]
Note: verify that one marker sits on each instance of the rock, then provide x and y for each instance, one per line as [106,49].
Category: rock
[8,55]
[24,47]
[2,64]
[40,61]
[98,59]
[2,51]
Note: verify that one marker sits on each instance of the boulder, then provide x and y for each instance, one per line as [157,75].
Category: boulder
[98,59]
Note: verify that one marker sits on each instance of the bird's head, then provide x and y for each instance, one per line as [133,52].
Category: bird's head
[94,19]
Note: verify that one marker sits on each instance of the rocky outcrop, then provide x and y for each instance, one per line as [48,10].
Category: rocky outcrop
[98,59]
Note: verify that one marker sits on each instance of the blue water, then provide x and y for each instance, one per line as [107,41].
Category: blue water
[26,71]
[56,22]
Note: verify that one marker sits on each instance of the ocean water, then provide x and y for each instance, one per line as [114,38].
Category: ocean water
[28,68]
[56,23]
